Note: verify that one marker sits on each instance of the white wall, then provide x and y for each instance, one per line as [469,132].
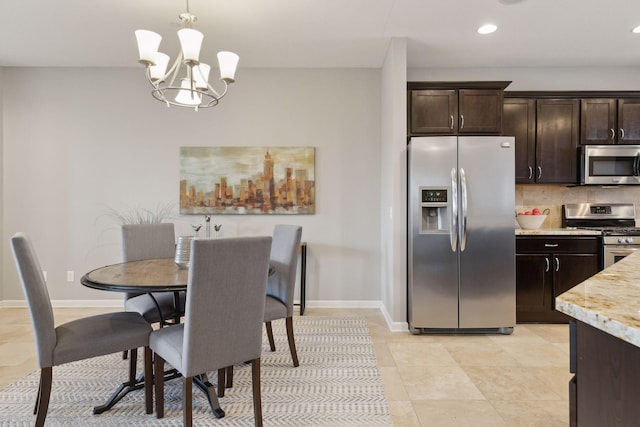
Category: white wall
[77,141]
[393,211]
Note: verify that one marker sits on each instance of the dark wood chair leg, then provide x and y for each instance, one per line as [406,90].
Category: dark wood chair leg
[133,361]
[187,402]
[229,382]
[46,376]
[257,397]
[124,354]
[35,406]
[292,342]
[158,377]
[221,381]
[272,345]
[148,380]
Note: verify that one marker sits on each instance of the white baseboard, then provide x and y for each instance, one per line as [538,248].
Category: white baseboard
[101,303]
[118,303]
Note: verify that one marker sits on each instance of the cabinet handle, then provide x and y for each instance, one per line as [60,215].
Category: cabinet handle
[530,173]
[451,121]
[621,134]
[551,245]
[557,263]
[461,121]
[539,172]
[546,262]
[613,133]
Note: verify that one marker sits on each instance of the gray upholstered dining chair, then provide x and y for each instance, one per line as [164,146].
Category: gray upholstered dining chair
[147,241]
[223,316]
[281,284]
[76,340]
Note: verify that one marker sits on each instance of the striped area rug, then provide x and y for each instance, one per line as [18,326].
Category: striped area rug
[336,384]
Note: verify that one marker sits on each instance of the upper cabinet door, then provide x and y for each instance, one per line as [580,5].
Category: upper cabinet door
[557,141]
[480,111]
[629,121]
[598,122]
[519,121]
[434,112]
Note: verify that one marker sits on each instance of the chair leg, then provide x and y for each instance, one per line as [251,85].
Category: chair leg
[35,406]
[272,345]
[133,361]
[124,354]
[187,402]
[257,398]
[44,392]
[221,381]
[148,380]
[158,377]
[229,383]
[292,342]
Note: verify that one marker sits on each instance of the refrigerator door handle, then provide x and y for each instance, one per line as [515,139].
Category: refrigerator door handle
[453,231]
[463,210]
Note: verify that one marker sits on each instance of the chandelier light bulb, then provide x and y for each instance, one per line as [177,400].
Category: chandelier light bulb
[148,44]
[190,42]
[228,62]
[200,74]
[158,70]
[186,95]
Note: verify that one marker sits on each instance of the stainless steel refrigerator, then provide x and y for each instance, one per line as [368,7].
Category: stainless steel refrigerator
[461,225]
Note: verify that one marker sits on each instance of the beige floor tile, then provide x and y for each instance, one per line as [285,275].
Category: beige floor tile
[420,354]
[557,379]
[458,413]
[438,383]
[536,354]
[480,353]
[555,333]
[393,384]
[403,414]
[534,414]
[510,383]
[383,355]
[521,334]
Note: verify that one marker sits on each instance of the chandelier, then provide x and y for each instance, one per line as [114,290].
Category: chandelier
[186,83]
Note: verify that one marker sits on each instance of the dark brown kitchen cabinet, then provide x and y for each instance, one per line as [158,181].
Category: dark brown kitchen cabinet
[609,121]
[557,137]
[547,266]
[519,121]
[455,108]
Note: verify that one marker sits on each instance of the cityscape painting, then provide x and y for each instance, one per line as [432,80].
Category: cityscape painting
[247,180]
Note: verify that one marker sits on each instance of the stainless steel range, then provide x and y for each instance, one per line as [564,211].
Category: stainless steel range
[616,221]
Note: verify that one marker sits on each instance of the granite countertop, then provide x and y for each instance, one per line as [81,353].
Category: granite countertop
[557,231]
[609,301]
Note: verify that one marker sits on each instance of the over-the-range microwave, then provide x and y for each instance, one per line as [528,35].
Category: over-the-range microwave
[610,164]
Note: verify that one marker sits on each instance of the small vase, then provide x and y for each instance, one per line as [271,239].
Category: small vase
[183,251]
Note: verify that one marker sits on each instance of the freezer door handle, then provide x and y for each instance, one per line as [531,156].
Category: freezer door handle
[463,210]
[453,230]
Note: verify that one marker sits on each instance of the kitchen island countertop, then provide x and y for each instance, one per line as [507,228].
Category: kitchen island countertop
[608,301]
[557,231]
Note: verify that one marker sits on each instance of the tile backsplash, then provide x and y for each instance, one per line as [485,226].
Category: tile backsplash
[529,196]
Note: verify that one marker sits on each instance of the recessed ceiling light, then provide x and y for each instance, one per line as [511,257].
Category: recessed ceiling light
[487,29]
[636,30]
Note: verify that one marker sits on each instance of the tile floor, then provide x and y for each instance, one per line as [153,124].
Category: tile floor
[480,380]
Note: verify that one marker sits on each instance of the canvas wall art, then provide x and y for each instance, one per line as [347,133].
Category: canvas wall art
[247,180]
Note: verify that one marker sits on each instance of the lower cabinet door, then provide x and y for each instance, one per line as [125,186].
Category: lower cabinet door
[534,278]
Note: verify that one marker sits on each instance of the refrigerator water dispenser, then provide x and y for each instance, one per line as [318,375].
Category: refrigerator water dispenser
[435,212]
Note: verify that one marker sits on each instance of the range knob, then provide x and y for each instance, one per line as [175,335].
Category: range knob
[629,239]
[621,239]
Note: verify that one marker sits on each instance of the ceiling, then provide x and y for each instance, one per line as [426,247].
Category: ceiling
[328,33]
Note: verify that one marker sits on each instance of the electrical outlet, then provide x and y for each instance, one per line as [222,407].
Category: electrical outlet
[70,276]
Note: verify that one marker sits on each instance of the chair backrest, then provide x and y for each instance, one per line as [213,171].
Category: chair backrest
[225,302]
[147,241]
[35,291]
[284,259]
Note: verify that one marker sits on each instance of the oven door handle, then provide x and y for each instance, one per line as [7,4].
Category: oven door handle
[636,164]
[624,252]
